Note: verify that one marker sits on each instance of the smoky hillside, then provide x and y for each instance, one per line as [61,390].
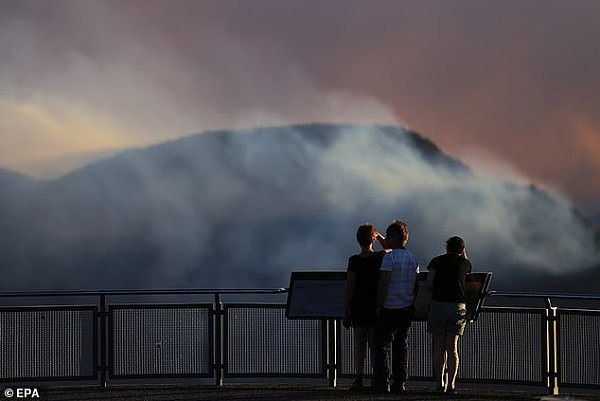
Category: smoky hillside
[244,208]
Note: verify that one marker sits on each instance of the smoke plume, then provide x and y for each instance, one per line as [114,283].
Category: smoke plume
[244,208]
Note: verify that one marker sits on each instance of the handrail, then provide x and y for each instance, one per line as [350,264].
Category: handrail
[545,295]
[241,291]
[175,291]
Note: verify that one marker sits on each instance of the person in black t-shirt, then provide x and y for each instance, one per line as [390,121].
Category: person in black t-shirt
[361,295]
[446,320]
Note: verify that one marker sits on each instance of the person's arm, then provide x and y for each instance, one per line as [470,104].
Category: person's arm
[381,240]
[430,278]
[350,289]
[382,288]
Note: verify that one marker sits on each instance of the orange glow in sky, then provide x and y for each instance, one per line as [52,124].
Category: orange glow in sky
[517,80]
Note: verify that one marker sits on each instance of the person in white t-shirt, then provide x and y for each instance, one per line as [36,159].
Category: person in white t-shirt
[395,308]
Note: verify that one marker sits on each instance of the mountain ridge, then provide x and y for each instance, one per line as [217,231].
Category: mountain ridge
[229,208]
[312,132]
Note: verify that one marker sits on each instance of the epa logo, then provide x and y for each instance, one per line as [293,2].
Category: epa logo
[22,393]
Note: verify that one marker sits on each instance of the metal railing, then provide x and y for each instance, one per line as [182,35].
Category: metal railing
[586,363]
[108,339]
[20,352]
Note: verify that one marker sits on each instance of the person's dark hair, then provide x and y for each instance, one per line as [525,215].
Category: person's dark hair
[364,234]
[398,228]
[455,245]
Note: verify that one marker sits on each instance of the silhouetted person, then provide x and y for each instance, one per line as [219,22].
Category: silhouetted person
[361,295]
[447,312]
[395,304]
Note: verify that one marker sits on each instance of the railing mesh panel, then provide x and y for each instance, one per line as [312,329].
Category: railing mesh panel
[261,340]
[160,341]
[499,346]
[47,343]
[419,348]
[419,343]
[347,354]
[580,348]
[503,345]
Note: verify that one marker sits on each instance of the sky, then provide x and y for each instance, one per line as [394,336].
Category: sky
[512,85]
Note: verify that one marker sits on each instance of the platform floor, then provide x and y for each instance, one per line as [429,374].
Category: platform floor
[283,393]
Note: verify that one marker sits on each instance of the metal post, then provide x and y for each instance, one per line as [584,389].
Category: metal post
[325,346]
[552,371]
[102,315]
[219,341]
[338,348]
[332,345]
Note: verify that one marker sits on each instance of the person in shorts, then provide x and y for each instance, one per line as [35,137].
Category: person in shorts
[447,313]
[361,295]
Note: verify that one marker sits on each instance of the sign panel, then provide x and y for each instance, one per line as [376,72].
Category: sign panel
[316,295]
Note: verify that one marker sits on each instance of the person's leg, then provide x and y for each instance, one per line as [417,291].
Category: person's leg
[371,344]
[439,359]
[400,358]
[436,323]
[384,335]
[360,344]
[452,352]
[455,330]
[371,339]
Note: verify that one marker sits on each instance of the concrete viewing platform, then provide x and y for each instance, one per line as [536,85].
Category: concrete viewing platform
[245,392]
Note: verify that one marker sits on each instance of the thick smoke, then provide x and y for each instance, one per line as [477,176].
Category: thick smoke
[242,209]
